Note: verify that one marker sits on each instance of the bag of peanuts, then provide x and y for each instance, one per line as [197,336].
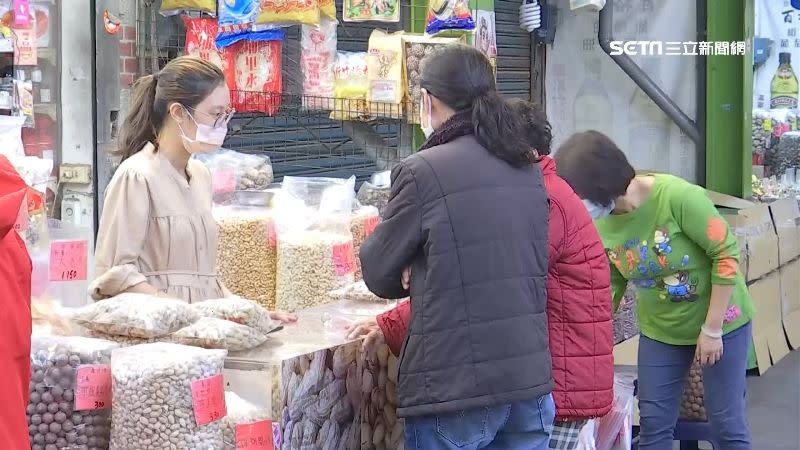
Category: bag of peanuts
[239,310]
[136,315]
[242,413]
[167,396]
[362,223]
[62,412]
[247,254]
[215,333]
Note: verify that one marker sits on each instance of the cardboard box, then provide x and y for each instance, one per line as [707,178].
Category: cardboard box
[790,301]
[785,217]
[768,337]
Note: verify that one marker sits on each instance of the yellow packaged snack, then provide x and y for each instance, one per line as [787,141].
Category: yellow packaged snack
[385,73]
[289,12]
[173,7]
[327,8]
[350,86]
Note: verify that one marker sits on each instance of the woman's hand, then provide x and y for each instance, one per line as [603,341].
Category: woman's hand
[370,331]
[282,317]
[708,351]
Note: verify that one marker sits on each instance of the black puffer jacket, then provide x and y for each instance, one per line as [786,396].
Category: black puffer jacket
[474,231]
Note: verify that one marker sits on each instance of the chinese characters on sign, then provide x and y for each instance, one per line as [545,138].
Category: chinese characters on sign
[68,260]
[93,387]
[208,397]
[263,435]
[675,48]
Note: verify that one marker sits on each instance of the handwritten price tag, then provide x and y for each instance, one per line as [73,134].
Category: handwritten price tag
[208,397]
[93,387]
[272,234]
[68,260]
[224,181]
[344,259]
[263,435]
[370,223]
[23,218]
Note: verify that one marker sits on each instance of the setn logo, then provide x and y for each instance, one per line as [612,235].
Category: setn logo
[633,48]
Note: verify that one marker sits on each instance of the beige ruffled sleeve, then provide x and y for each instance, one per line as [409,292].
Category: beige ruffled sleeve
[121,237]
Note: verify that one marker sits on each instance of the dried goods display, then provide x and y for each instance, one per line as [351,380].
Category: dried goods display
[174,7]
[381,429]
[239,310]
[372,11]
[240,412]
[53,419]
[350,86]
[312,263]
[625,320]
[449,15]
[215,333]
[153,401]
[201,35]
[786,155]
[358,292]
[385,71]
[317,58]
[289,12]
[762,130]
[416,48]
[693,405]
[233,171]
[136,315]
[247,252]
[253,73]
[321,395]
[373,195]
[362,224]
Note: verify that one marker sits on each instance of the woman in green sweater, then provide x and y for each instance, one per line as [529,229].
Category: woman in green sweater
[664,235]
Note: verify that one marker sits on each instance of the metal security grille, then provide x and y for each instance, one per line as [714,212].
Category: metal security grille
[513,51]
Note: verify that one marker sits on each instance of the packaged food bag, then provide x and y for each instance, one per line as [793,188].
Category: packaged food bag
[385,72]
[253,72]
[70,388]
[241,412]
[238,310]
[317,59]
[213,333]
[136,315]
[232,171]
[167,396]
[236,18]
[449,15]
[376,191]
[365,10]
[174,7]
[362,223]
[201,35]
[327,9]
[351,86]
[290,12]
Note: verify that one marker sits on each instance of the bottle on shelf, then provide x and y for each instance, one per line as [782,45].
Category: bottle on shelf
[784,88]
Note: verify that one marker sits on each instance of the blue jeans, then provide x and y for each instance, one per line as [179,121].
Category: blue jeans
[662,372]
[516,426]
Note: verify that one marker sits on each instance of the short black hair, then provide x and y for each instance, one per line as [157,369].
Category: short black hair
[594,166]
[538,132]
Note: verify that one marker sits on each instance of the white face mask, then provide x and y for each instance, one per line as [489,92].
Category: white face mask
[598,211]
[206,138]
[425,117]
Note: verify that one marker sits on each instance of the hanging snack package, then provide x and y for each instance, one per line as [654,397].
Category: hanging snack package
[236,19]
[174,7]
[136,315]
[416,47]
[253,73]
[289,12]
[385,72]
[449,15]
[201,35]
[350,86]
[239,310]
[372,11]
[317,58]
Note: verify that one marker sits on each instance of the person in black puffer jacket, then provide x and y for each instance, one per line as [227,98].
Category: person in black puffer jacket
[465,235]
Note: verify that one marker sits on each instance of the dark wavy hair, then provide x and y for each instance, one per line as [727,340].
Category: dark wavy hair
[538,132]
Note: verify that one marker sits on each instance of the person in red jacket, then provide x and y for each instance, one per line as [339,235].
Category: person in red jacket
[579,306]
[15,313]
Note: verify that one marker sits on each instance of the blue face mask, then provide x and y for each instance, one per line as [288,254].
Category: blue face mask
[598,211]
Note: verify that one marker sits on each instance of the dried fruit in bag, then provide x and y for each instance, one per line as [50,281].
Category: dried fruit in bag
[173,7]
[371,10]
[136,315]
[449,15]
[253,72]
[201,35]
[239,310]
[317,59]
[289,12]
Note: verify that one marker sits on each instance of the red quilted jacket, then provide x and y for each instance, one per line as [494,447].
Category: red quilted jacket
[578,307]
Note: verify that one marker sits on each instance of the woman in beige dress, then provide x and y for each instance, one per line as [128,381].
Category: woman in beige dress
[157,233]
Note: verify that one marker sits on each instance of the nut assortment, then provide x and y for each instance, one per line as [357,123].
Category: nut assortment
[247,255]
[377,196]
[136,315]
[693,405]
[381,429]
[310,265]
[239,310]
[153,407]
[321,396]
[52,421]
[362,224]
[786,155]
[218,333]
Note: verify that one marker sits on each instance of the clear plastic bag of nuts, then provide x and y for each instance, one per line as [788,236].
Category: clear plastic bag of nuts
[218,333]
[362,223]
[240,412]
[233,171]
[54,420]
[153,402]
[239,310]
[247,252]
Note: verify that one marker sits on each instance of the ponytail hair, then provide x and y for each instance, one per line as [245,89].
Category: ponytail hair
[186,80]
[462,78]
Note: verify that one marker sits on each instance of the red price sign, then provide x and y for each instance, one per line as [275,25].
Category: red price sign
[68,260]
[344,259]
[21,225]
[224,181]
[208,397]
[370,223]
[272,234]
[93,387]
[263,435]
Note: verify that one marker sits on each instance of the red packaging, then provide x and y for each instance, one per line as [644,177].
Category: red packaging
[201,36]
[253,73]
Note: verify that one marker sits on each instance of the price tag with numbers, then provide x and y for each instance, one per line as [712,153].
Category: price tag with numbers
[262,435]
[208,397]
[68,260]
[93,387]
